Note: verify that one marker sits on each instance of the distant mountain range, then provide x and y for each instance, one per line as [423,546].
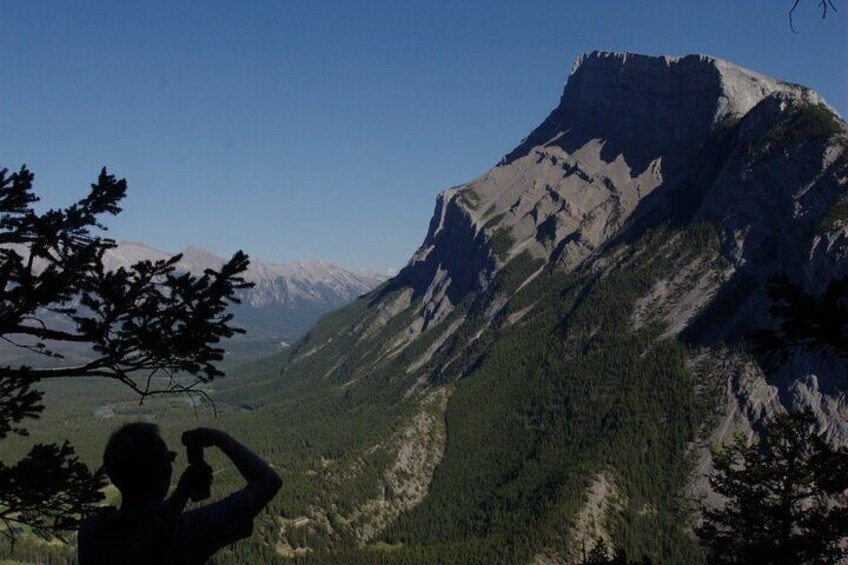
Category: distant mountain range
[286,300]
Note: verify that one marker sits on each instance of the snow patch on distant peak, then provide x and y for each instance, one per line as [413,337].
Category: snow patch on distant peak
[316,281]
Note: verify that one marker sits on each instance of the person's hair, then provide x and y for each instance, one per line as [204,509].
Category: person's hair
[134,457]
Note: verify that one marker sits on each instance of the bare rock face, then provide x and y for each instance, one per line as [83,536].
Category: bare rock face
[625,126]
[644,107]
[639,141]
[769,206]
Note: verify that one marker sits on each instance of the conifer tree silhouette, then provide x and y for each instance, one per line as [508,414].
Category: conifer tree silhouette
[139,323]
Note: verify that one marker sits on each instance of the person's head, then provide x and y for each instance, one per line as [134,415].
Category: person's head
[138,462]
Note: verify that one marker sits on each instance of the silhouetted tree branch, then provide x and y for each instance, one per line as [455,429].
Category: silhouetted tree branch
[138,323]
[48,490]
[824,6]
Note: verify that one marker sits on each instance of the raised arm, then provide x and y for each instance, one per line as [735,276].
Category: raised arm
[262,481]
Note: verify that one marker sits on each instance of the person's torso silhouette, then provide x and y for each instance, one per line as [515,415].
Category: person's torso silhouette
[151,529]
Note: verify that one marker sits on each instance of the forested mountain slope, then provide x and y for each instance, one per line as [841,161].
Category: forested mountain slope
[574,318]
[556,357]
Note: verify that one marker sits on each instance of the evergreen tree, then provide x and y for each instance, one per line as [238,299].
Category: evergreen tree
[137,323]
[807,322]
[599,552]
[785,498]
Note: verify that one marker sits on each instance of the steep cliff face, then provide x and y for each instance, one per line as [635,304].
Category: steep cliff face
[586,302]
[784,173]
[624,140]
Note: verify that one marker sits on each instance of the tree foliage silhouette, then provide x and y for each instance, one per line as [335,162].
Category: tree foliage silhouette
[786,497]
[142,326]
[824,6]
[813,323]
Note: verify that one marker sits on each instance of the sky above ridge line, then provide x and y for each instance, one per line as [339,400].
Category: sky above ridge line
[326,129]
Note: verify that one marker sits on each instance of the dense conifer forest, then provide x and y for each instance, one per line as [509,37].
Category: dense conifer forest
[572,393]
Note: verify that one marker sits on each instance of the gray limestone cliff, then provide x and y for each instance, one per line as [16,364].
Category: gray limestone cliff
[644,107]
[624,136]
[640,141]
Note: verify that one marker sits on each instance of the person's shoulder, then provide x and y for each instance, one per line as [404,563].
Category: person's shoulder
[233,509]
[110,521]
[204,530]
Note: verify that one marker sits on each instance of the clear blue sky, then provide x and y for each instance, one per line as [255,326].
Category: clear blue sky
[317,129]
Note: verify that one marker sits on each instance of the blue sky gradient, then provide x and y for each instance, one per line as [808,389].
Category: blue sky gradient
[326,129]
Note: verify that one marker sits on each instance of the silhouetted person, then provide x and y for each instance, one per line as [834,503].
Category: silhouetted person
[148,528]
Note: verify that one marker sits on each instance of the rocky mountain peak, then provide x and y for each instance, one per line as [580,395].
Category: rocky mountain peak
[628,144]
[600,279]
[645,106]
[700,86]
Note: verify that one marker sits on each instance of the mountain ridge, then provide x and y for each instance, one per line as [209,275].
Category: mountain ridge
[300,274]
[285,301]
[585,186]
[585,287]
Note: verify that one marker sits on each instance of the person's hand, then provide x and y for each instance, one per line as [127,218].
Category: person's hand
[194,483]
[202,437]
[196,478]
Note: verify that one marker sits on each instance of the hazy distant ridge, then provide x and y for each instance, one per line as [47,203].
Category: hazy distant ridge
[287,297]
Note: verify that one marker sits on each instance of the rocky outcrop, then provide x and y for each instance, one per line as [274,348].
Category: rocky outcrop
[419,447]
[644,107]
